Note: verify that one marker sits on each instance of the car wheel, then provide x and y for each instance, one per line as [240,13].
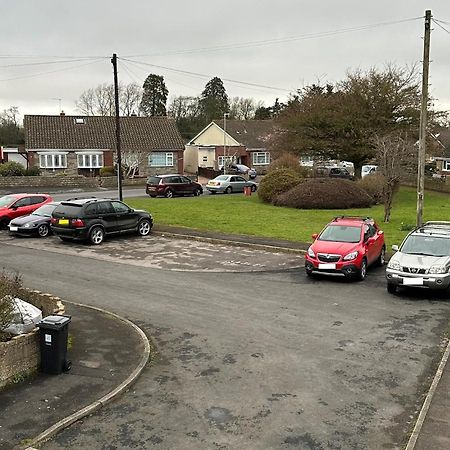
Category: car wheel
[144,227]
[362,272]
[228,190]
[197,192]
[96,235]
[391,288]
[43,230]
[381,260]
[253,188]
[168,193]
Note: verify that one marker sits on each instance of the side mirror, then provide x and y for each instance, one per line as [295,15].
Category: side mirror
[13,207]
[395,248]
[380,232]
[314,236]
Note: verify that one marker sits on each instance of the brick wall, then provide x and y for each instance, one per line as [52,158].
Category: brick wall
[68,181]
[21,355]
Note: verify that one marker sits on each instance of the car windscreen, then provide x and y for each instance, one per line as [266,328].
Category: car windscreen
[6,200]
[426,245]
[341,233]
[67,210]
[222,178]
[45,211]
[153,180]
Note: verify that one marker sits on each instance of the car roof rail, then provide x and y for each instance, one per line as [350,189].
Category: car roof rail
[444,223]
[79,198]
[364,218]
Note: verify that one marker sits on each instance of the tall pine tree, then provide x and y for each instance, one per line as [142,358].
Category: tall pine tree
[154,96]
[214,100]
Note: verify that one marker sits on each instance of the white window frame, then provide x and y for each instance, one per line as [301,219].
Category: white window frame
[53,160]
[446,165]
[168,157]
[89,160]
[255,158]
[221,159]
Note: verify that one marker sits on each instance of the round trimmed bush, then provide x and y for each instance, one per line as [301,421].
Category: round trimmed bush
[33,171]
[107,171]
[373,185]
[325,193]
[12,169]
[276,182]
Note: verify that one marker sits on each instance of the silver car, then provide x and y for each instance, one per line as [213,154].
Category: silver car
[230,183]
[423,259]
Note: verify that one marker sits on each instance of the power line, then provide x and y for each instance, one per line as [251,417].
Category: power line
[277,40]
[201,75]
[442,21]
[44,63]
[441,26]
[50,72]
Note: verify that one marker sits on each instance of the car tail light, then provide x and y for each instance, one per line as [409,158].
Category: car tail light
[77,223]
[53,221]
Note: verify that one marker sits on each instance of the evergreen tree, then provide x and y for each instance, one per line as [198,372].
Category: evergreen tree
[214,100]
[154,96]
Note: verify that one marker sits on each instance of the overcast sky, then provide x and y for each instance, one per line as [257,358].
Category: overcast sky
[300,42]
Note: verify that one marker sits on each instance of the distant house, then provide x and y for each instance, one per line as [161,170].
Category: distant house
[16,154]
[84,144]
[443,160]
[243,142]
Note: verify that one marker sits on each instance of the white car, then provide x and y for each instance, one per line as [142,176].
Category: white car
[229,184]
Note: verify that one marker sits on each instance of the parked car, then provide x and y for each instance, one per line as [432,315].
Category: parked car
[35,224]
[16,205]
[340,172]
[423,259]
[240,169]
[229,183]
[368,169]
[346,246]
[171,185]
[93,219]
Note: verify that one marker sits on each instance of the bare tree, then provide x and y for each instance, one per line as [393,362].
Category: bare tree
[184,107]
[132,161]
[394,152]
[242,108]
[100,101]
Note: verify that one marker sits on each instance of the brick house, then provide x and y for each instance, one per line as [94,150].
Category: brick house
[243,142]
[443,159]
[84,144]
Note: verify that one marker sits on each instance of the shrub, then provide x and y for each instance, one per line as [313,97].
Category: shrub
[33,171]
[107,171]
[290,161]
[10,286]
[373,185]
[276,182]
[12,169]
[325,193]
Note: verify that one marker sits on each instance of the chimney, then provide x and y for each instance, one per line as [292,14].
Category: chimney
[62,113]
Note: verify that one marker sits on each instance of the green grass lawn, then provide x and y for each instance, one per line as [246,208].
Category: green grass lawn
[248,215]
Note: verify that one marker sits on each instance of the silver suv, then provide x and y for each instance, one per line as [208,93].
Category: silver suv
[423,259]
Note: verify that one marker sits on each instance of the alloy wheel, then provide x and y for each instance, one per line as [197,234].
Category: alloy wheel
[144,227]
[43,230]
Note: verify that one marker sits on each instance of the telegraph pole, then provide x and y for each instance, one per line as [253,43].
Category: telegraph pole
[423,119]
[118,142]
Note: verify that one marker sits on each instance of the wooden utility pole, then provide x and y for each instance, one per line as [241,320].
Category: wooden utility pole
[423,119]
[118,141]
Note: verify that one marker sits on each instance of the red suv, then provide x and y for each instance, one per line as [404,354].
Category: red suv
[16,205]
[346,246]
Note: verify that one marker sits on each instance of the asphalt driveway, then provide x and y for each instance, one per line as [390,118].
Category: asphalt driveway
[254,360]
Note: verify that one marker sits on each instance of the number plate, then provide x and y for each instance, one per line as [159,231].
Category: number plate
[12,228]
[327,266]
[413,281]
[63,222]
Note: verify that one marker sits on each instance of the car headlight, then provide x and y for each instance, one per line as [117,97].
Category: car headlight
[437,269]
[350,256]
[27,225]
[394,265]
[311,254]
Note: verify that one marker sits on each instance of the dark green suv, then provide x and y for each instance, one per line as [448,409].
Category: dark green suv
[92,219]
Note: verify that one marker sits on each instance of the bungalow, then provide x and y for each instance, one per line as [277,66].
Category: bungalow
[238,141]
[443,160]
[84,144]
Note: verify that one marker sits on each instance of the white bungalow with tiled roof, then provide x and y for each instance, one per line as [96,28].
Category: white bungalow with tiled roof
[242,142]
[84,144]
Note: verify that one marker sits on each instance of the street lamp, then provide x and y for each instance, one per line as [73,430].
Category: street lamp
[225,115]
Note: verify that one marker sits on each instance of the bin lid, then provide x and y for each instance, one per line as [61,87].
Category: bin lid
[54,322]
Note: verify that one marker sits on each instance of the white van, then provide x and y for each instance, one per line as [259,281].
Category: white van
[368,170]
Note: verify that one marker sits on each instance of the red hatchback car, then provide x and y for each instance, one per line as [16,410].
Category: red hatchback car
[16,205]
[346,246]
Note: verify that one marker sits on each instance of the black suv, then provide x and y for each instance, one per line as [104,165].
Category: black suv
[93,218]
